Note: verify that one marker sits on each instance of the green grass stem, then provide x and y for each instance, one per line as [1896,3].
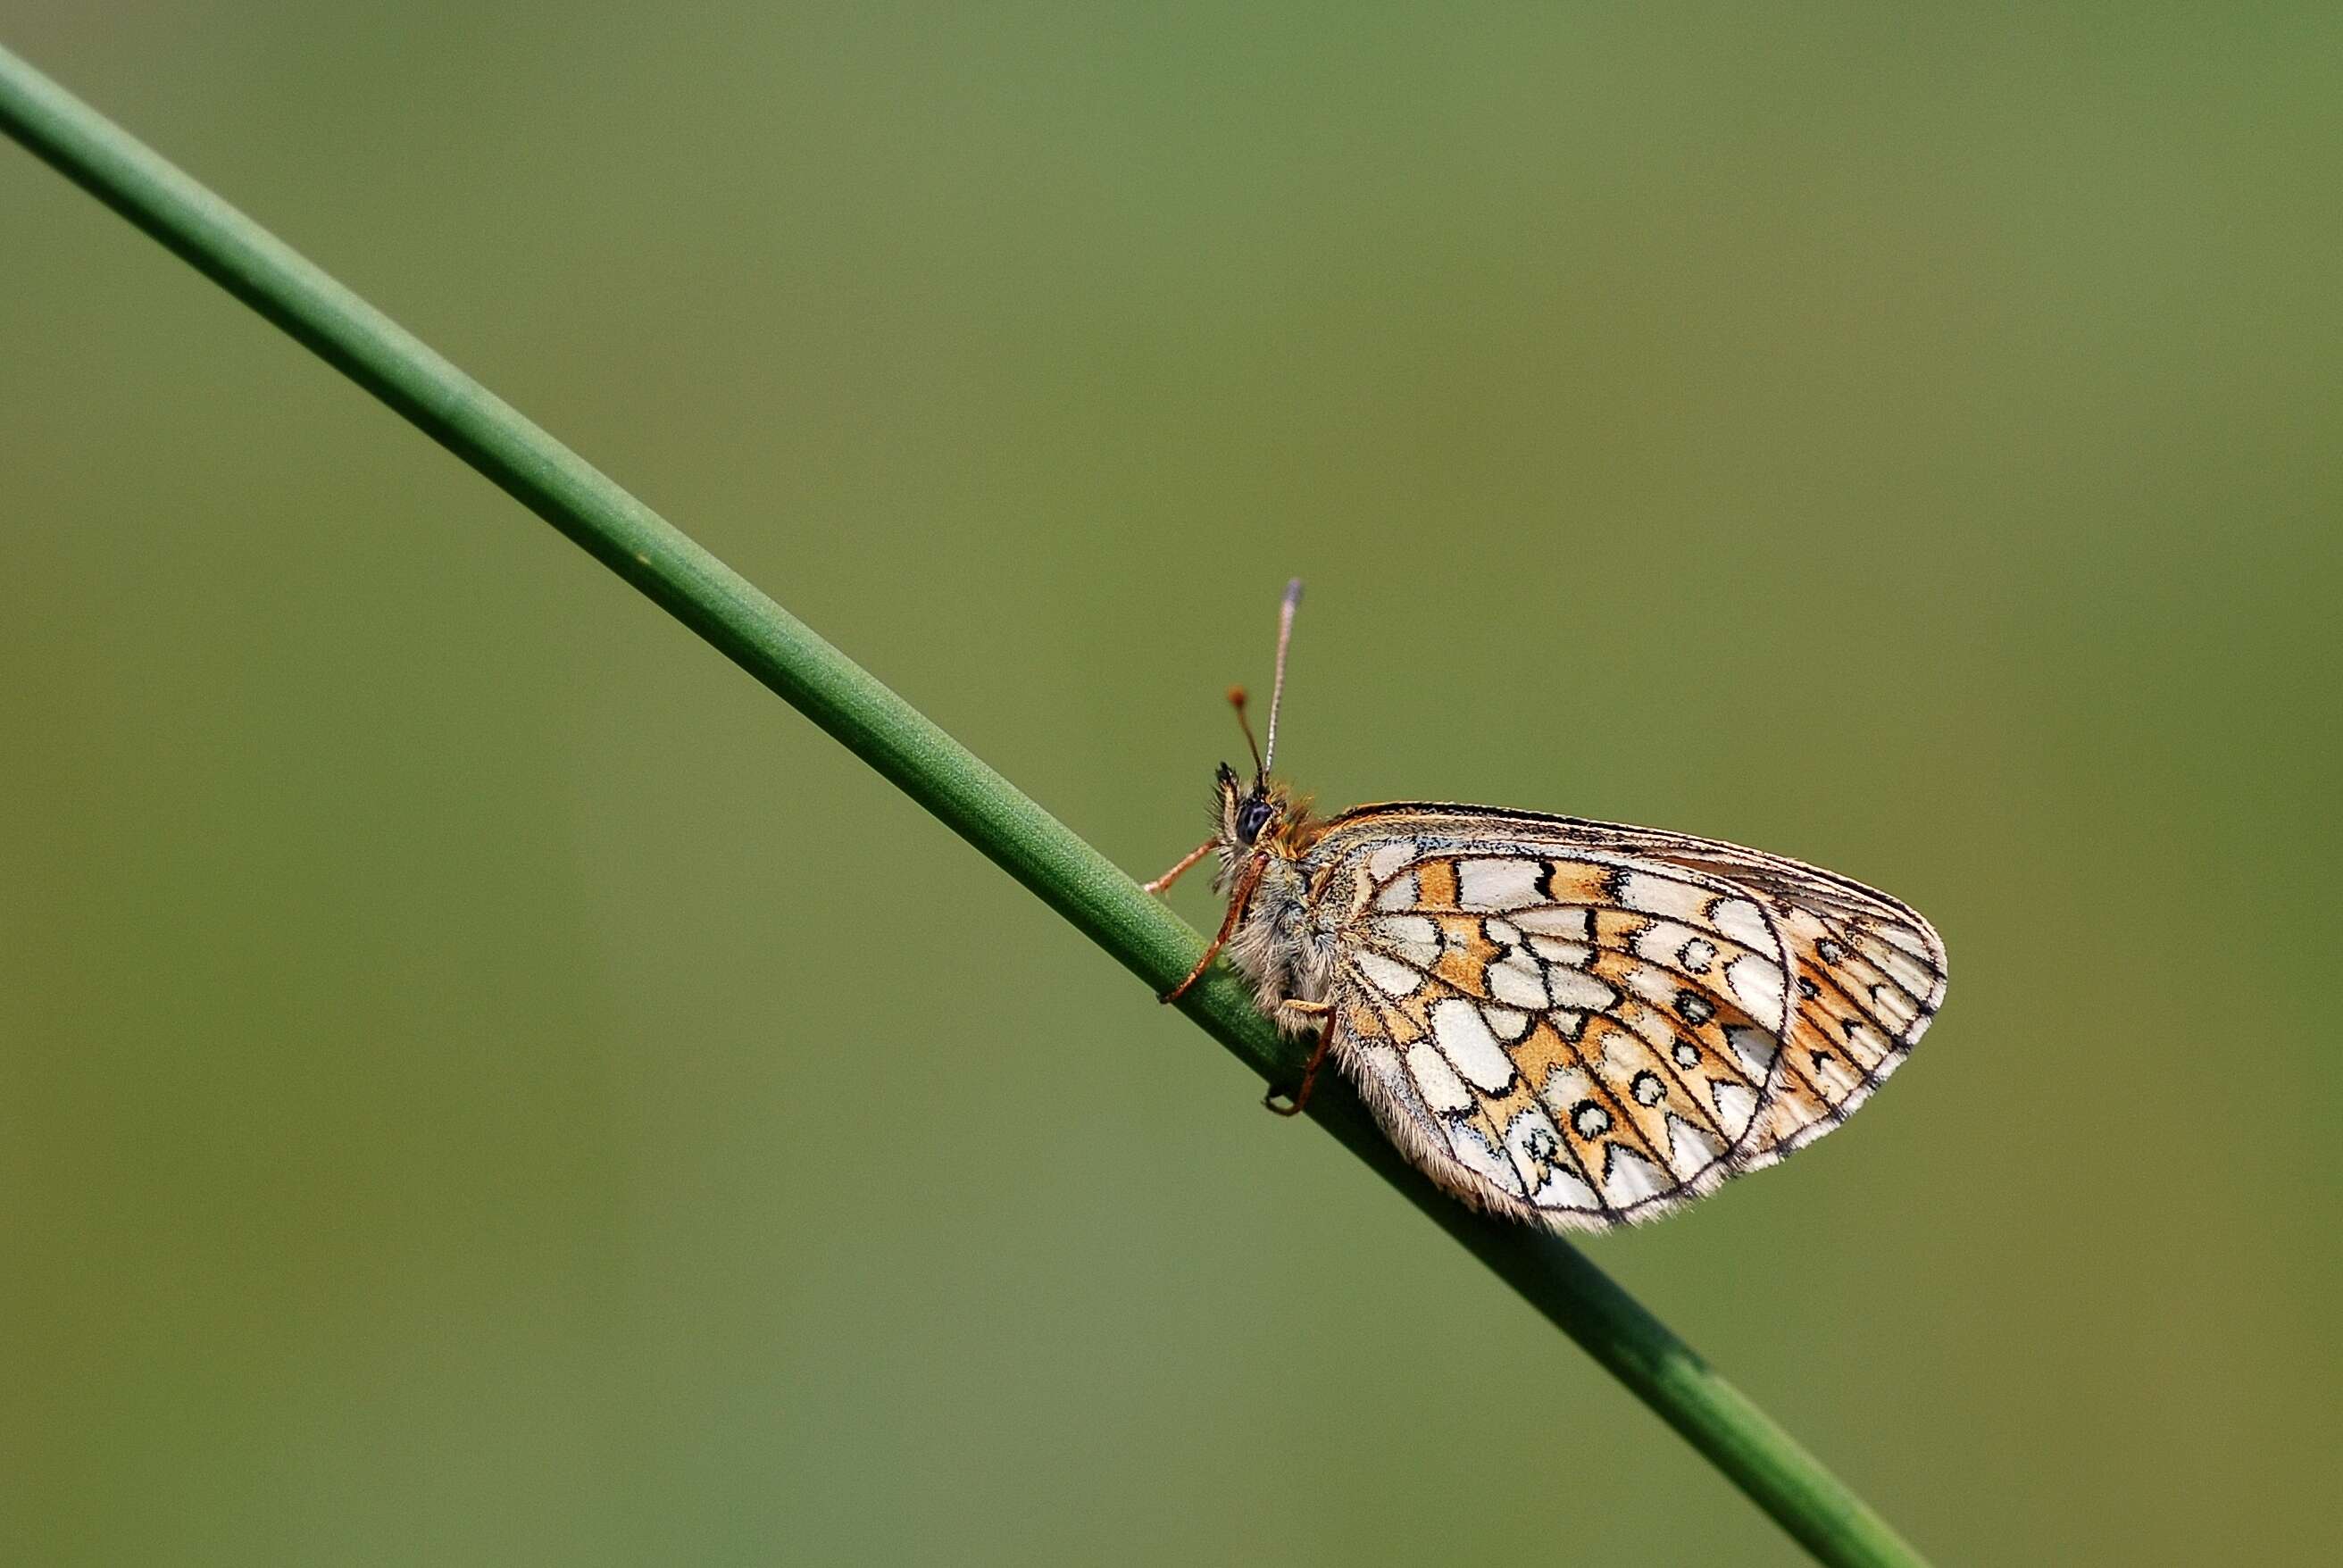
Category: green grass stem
[925,763]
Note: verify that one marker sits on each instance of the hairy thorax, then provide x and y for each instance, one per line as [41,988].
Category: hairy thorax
[1285,944]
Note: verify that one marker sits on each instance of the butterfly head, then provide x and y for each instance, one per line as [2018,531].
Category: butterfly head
[1251,815]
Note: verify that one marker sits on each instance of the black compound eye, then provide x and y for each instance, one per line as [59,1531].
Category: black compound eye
[1254,816]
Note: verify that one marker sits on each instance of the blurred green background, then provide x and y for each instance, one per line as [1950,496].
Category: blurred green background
[481,1081]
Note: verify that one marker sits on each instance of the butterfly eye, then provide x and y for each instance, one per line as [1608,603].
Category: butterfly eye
[1251,817]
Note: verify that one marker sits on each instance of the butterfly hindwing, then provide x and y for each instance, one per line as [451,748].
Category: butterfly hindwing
[1588,1024]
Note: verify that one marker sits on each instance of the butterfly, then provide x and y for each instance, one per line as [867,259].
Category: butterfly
[1573,1023]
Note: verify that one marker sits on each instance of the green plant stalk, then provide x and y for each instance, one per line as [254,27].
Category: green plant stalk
[921,761]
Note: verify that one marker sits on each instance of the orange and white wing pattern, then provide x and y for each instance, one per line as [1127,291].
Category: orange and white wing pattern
[1586,1024]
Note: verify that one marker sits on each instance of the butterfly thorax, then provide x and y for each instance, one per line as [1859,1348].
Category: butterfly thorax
[1282,942]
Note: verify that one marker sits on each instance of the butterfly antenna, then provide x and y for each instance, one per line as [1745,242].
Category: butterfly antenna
[1277,689]
[1237,701]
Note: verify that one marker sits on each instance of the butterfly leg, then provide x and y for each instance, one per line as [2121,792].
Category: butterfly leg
[1163,883]
[1238,899]
[1292,1104]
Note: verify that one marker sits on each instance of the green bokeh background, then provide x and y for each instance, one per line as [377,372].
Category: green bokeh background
[481,1082]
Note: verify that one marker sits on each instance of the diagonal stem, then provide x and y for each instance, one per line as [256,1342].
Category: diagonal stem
[910,751]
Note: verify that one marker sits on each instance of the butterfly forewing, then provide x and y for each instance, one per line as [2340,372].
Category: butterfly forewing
[1588,1023]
